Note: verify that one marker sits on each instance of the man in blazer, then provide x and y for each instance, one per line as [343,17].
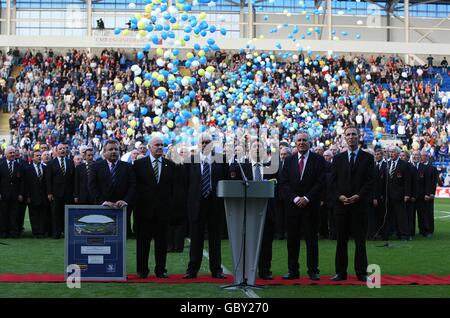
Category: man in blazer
[81,194]
[154,201]
[60,180]
[11,194]
[257,169]
[427,229]
[112,182]
[36,195]
[353,178]
[423,188]
[280,211]
[411,204]
[398,194]
[302,181]
[379,193]
[204,208]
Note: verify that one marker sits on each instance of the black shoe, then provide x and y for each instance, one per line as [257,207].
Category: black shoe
[291,276]
[162,275]
[363,278]
[266,276]
[315,277]
[338,278]
[218,276]
[190,276]
[142,275]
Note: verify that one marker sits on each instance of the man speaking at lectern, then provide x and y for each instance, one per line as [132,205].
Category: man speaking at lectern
[302,179]
[256,169]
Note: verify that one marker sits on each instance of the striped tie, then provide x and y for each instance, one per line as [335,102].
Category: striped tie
[63,167]
[113,173]
[10,168]
[206,180]
[258,176]
[391,170]
[39,172]
[156,170]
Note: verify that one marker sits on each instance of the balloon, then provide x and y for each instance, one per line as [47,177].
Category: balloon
[103,114]
[126,98]
[144,111]
[138,80]
[156,120]
[133,124]
[170,124]
[131,107]
[130,131]
[119,87]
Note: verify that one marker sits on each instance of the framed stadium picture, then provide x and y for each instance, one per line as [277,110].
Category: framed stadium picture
[95,242]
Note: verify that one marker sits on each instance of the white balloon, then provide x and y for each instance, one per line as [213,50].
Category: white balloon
[173,10]
[138,72]
[132,6]
[167,54]
[160,62]
[404,75]
[147,121]
[185,81]
[135,67]
[157,102]
[158,111]
[131,107]
[165,129]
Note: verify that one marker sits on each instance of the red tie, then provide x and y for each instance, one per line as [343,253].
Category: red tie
[301,165]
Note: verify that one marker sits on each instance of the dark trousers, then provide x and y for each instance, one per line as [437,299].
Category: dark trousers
[130,229]
[431,215]
[324,229]
[57,217]
[177,233]
[265,256]
[304,223]
[39,219]
[146,230]
[425,217]
[21,209]
[280,220]
[396,217]
[380,216]
[208,217]
[411,216]
[9,220]
[351,220]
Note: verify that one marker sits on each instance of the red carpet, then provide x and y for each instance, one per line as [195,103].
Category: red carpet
[177,279]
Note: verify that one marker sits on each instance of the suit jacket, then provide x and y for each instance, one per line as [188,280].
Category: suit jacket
[102,188]
[380,181]
[61,186]
[36,189]
[310,186]
[236,174]
[399,185]
[11,188]
[433,178]
[219,171]
[414,176]
[154,198]
[423,182]
[360,181]
[81,186]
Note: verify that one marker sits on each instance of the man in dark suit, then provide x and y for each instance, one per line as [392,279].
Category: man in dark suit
[411,204]
[11,194]
[280,211]
[60,180]
[22,206]
[302,180]
[154,200]
[36,194]
[398,194]
[353,179]
[423,188]
[257,169]
[327,228]
[379,193]
[81,194]
[112,182]
[204,208]
[427,229]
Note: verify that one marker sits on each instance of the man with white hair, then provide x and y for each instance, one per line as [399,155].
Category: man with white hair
[398,193]
[11,194]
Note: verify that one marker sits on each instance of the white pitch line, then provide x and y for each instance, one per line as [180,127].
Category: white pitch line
[250,293]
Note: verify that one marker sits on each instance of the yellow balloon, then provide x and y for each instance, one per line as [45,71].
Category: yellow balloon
[138,80]
[138,16]
[160,78]
[159,51]
[202,16]
[119,87]
[156,120]
[147,83]
[130,131]
[189,55]
[142,33]
[201,72]
[133,124]
[148,8]
[210,69]
[141,25]
[201,53]
[169,124]
[125,32]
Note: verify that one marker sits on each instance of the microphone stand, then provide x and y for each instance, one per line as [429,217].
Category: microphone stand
[243,284]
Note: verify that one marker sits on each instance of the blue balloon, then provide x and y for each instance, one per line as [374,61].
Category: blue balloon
[197,47]
[144,111]
[103,114]
[117,31]
[126,98]
[212,29]
[140,55]
[223,31]
[211,41]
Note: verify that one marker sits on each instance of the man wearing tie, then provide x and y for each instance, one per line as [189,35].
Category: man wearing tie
[280,211]
[411,204]
[154,201]
[379,193]
[36,194]
[423,184]
[302,180]
[203,174]
[112,182]
[82,194]
[11,194]
[60,180]
[256,169]
[428,217]
[398,194]
[352,177]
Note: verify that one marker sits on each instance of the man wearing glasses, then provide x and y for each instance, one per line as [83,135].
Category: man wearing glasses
[204,208]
